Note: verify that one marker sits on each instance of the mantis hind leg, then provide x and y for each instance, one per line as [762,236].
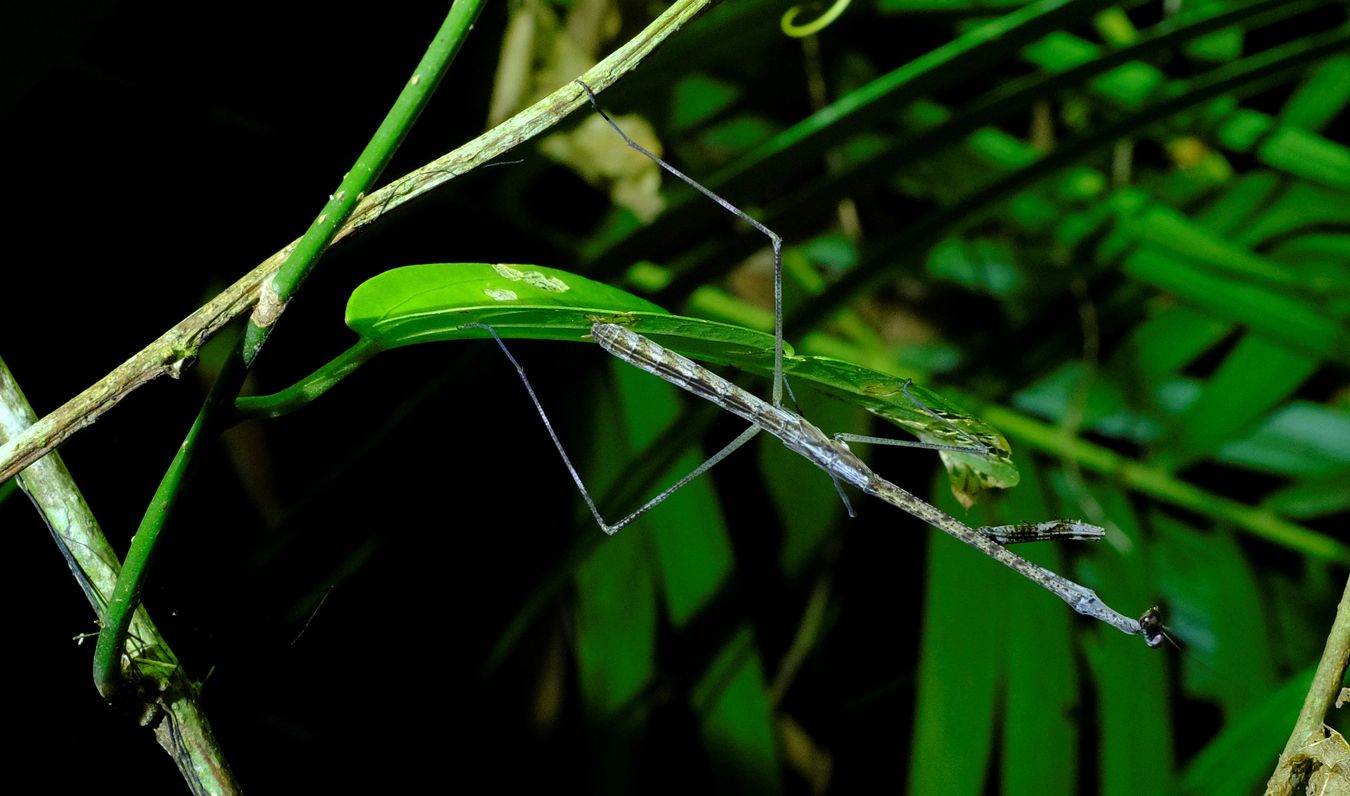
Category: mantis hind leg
[610,528]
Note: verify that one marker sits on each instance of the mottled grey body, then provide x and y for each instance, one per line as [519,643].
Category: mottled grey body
[796,432]
[829,454]
[835,458]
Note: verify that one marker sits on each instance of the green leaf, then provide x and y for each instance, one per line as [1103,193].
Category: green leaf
[1208,582]
[1301,439]
[984,265]
[807,503]
[1133,706]
[698,98]
[1254,378]
[1298,208]
[1240,759]
[736,718]
[1282,317]
[1241,202]
[616,622]
[1322,96]
[1133,701]
[964,641]
[429,303]
[1310,499]
[1168,233]
[1165,342]
[693,553]
[1040,736]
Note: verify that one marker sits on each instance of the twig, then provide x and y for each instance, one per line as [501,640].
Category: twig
[180,726]
[276,292]
[1294,765]
[177,348]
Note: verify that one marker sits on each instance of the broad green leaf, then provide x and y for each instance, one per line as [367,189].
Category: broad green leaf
[1243,200]
[1040,736]
[807,503]
[1103,408]
[1298,208]
[694,559]
[1166,230]
[616,615]
[1134,715]
[964,641]
[1133,701]
[429,303]
[700,97]
[1293,150]
[1165,342]
[1255,377]
[693,554]
[1280,316]
[1320,259]
[984,265]
[1216,612]
[731,700]
[1306,154]
[616,623]
[1309,499]
[1219,47]
[1240,759]
[736,136]
[1322,96]
[1301,439]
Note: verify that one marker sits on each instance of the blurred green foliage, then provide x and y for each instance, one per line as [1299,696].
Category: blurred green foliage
[1129,224]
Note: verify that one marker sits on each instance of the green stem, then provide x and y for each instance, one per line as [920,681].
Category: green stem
[126,596]
[282,402]
[275,293]
[178,346]
[361,177]
[1326,684]
[183,732]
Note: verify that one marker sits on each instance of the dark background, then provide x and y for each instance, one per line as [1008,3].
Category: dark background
[156,154]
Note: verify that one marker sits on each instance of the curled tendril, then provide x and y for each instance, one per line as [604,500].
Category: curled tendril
[791,28]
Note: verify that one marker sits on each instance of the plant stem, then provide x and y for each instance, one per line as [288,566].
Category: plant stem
[1292,768]
[275,294]
[126,594]
[180,726]
[370,164]
[178,347]
[329,375]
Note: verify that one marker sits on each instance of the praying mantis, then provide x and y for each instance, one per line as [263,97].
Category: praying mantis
[830,454]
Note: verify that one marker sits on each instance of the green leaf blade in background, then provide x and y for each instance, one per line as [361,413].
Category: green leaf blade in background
[1238,760]
[962,650]
[1254,378]
[732,702]
[1136,289]
[1040,735]
[1134,698]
